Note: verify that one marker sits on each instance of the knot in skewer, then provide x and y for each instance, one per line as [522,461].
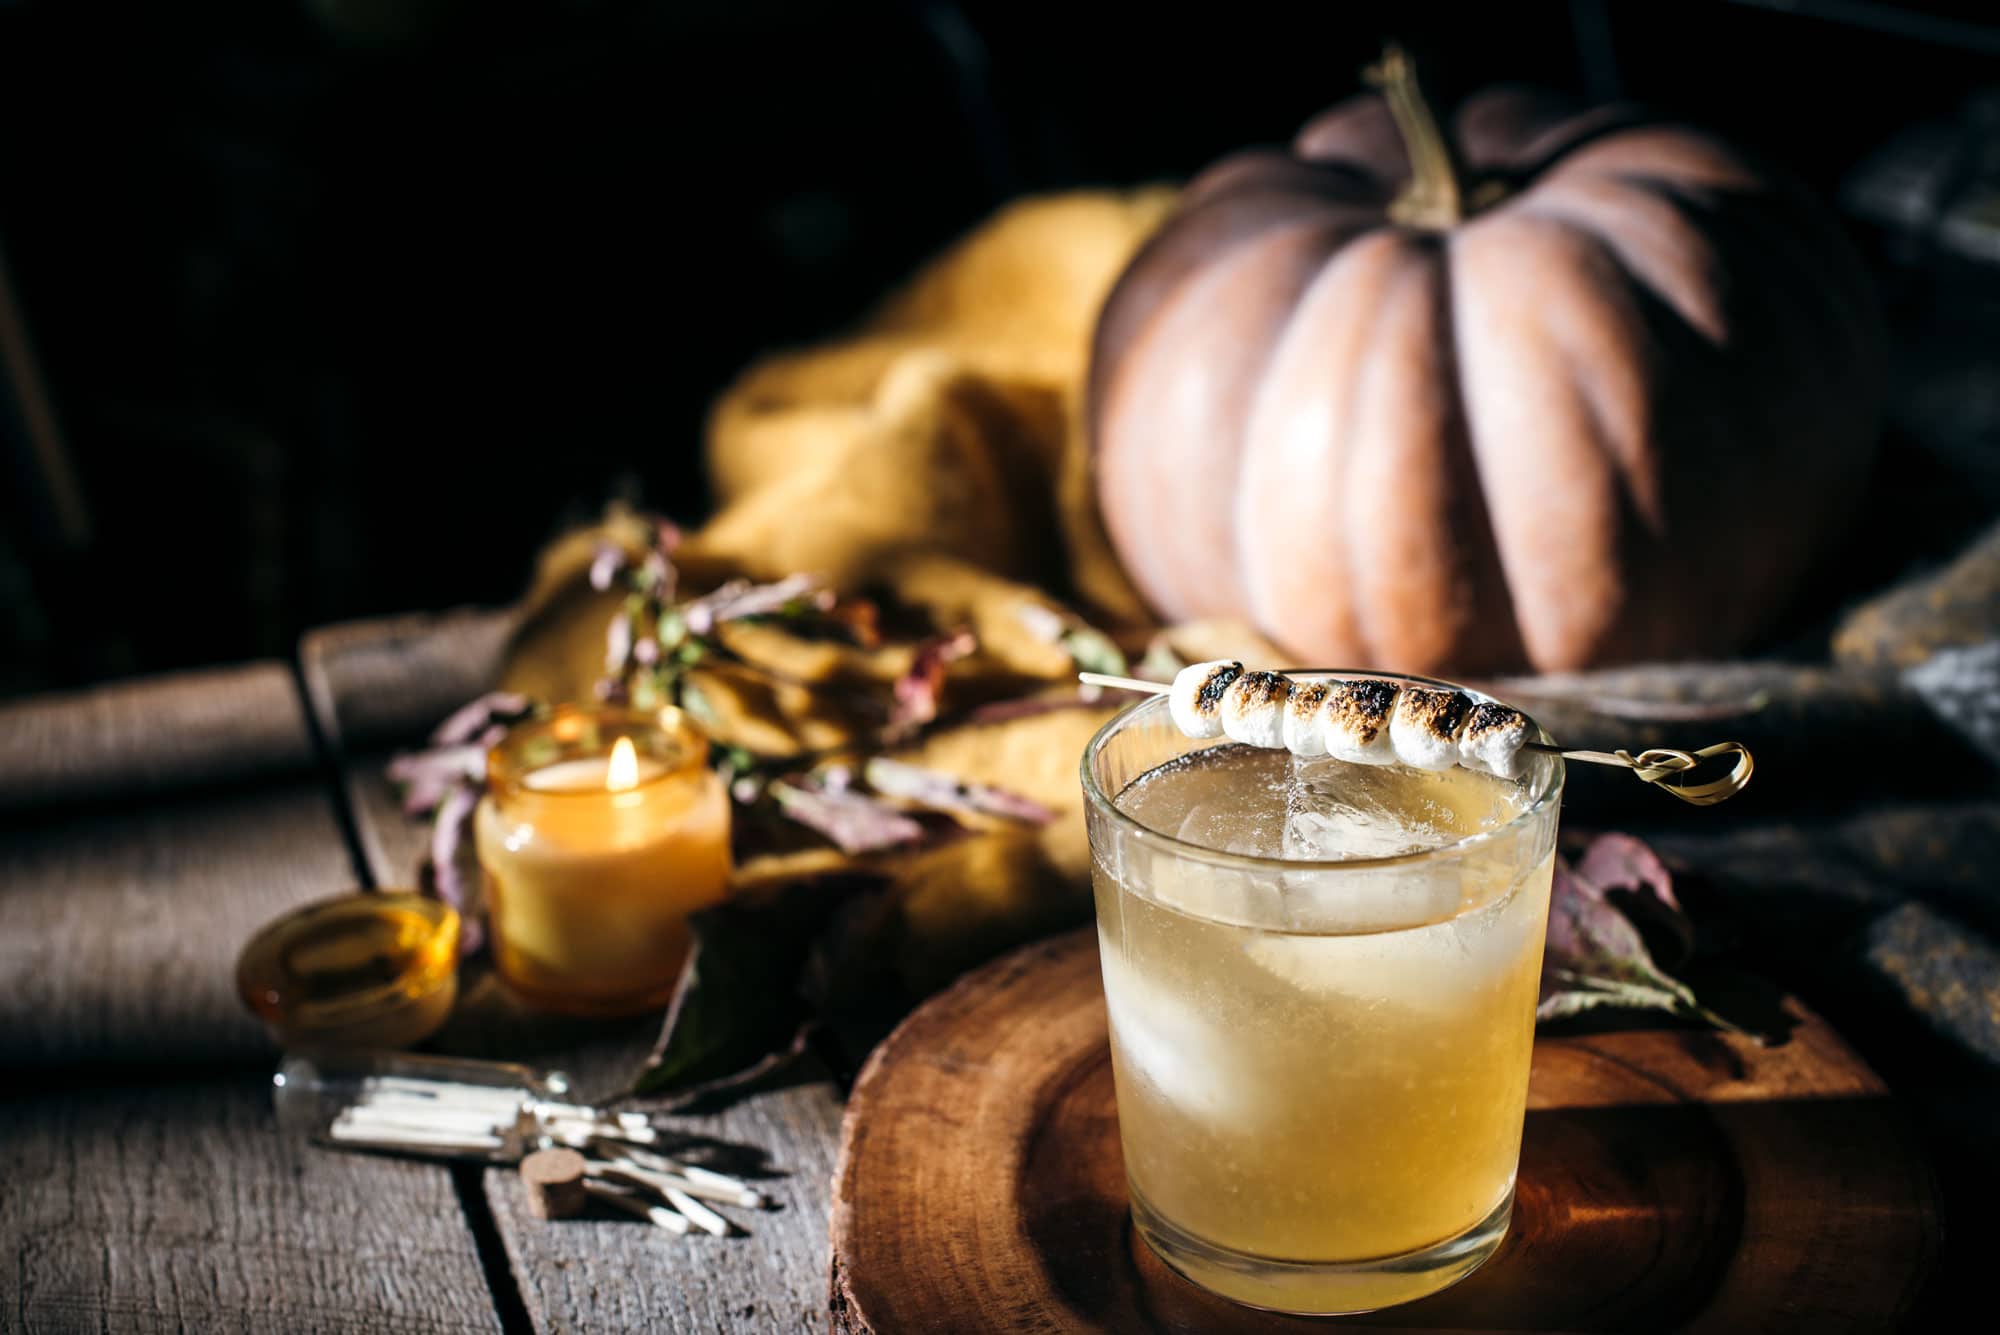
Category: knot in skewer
[1663,763]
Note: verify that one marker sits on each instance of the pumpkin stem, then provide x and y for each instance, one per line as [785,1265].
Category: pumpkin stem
[1434,198]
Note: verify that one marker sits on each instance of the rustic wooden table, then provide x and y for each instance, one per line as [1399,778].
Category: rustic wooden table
[145,831]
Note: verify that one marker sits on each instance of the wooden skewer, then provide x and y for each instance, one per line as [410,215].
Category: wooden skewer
[1654,766]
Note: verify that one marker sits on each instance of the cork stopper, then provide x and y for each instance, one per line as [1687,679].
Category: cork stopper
[554,1179]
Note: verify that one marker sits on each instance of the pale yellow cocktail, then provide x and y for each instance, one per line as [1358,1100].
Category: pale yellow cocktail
[1321,980]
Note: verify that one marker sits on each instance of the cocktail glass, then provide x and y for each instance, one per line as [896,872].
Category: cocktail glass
[1321,980]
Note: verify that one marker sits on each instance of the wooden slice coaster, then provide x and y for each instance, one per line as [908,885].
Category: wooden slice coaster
[1670,1177]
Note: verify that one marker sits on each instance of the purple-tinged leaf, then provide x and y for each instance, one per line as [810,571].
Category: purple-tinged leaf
[918,691]
[739,598]
[946,792]
[1595,955]
[854,822]
[426,777]
[1633,878]
[606,566]
[472,719]
[454,865]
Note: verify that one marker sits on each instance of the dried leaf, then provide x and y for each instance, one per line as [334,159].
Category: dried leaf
[855,822]
[740,598]
[607,566]
[476,718]
[945,792]
[427,776]
[1595,955]
[918,692]
[1160,662]
[454,866]
[859,618]
[1043,622]
[658,578]
[1092,651]
[617,645]
[737,1011]
[1089,648]
[1635,881]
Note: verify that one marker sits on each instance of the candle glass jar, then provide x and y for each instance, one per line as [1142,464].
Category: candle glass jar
[601,831]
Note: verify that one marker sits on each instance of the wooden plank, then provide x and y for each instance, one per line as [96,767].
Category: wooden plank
[155,735]
[152,1198]
[619,1274]
[171,1207]
[120,920]
[608,1272]
[119,926]
[387,682]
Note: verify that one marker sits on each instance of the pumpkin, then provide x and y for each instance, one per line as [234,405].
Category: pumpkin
[1565,389]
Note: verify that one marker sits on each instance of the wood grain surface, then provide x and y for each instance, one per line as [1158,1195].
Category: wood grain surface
[147,1186]
[606,1271]
[121,913]
[388,681]
[155,735]
[174,1205]
[1671,1179]
[119,925]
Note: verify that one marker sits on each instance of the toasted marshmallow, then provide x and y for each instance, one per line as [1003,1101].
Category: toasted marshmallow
[1492,740]
[1195,702]
[1305,726]
[1355,722]
[1253,709]
[1425,729]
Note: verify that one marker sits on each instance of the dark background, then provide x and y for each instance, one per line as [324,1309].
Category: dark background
[343,306]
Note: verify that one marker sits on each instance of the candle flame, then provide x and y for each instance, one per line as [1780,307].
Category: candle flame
[623,772]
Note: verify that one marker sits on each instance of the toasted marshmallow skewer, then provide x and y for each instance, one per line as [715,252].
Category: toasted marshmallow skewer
[1492,739]
[1356,719]
[1195,698]
[1374,722]
[1253,709]
[1305,720]
[1425,728]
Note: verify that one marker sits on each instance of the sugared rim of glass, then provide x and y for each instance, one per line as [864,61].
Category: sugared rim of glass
[665,735]
[1107,803]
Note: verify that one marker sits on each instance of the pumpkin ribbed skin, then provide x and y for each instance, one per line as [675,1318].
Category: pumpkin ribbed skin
[1613,417]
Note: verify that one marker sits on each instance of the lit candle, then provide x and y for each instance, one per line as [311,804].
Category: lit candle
[602,830]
